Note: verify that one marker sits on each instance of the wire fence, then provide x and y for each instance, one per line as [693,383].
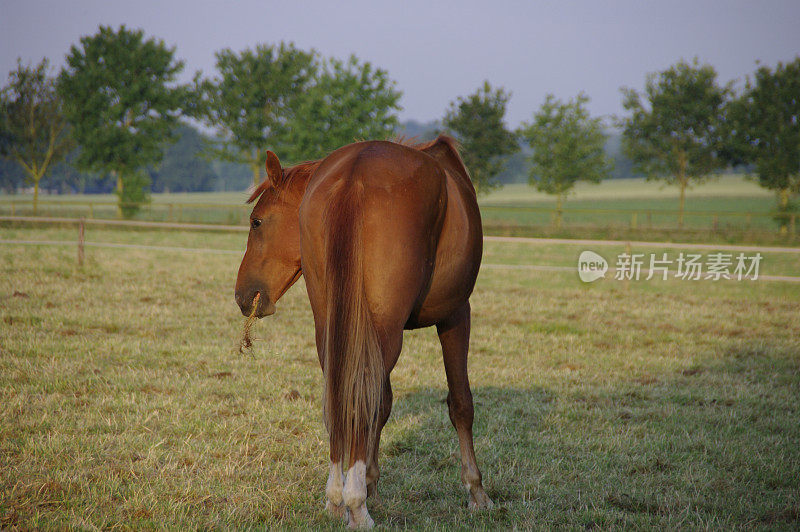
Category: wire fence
[81,243]
[508,219]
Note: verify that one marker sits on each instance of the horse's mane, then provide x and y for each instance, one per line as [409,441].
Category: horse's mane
[299,171]
[443,148]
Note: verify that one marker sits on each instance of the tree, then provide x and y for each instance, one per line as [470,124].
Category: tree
[346,102]
[678,137]
[764,126]
[34,130]
[253,100]
[122,100]
[182,169]
[477,122]
[568,146]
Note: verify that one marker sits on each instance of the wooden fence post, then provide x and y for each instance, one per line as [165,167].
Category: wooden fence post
[80,242]
[633,221]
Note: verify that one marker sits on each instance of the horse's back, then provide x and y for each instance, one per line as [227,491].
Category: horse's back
[393,199]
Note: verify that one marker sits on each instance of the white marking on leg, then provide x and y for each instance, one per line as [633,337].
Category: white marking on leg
[354,495]
[333,489]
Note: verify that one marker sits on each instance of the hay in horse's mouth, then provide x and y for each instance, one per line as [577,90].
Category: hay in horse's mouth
[247,341]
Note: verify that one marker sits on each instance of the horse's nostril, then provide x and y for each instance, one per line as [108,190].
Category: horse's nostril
[248,301]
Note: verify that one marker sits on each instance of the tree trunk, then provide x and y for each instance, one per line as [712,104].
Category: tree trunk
[119,192]
[783,202]
[683,181]
[35,195]
[559,203]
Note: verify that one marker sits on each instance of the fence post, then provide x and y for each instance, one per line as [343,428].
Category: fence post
[633,221]
[13,209]
[714,223]
[792,220]
[171,219]
[80,242]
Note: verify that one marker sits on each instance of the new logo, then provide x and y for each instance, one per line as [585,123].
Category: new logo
[591,266]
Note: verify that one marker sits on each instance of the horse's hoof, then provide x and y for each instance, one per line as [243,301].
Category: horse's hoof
[359,518]
[339,511]
[478,500]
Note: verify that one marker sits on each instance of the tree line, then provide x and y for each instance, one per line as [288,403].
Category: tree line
[115,118]
[115,112]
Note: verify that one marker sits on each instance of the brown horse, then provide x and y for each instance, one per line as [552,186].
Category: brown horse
[388,237]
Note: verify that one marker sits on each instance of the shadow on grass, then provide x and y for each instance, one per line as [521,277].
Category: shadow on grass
[712,445]
[420,460]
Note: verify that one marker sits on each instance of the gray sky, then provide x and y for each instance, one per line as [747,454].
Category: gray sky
[439,50]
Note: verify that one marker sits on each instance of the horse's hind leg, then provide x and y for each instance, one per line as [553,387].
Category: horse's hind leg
[454,337]
[373,471]
[333,490]
[354,493]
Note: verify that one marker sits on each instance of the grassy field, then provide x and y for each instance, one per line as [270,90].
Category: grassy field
[123,401]
[728,209]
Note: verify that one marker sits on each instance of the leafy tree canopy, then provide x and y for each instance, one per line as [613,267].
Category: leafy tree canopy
[182,169]
[764,125]
[568,146]
[253,99]
[121,97]
[674,131]
[33,130]
[347,102]
[477,122]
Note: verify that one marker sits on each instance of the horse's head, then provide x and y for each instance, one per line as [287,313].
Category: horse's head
[271,263]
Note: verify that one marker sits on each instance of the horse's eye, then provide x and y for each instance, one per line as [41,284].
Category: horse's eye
[255,222]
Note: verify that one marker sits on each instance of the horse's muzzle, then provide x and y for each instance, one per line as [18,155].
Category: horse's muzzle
[244,298]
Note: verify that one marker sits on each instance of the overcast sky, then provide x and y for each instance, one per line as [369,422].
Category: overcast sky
[439,50]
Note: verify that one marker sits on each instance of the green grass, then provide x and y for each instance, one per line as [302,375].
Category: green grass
[123,401]
[728,209]
[616,189]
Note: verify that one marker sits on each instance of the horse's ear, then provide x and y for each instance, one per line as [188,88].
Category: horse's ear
[274,170]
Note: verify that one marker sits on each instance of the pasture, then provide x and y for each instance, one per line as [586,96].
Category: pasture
[730,209]
[645,404]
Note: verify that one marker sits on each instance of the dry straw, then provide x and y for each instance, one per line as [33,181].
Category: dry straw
[247,341]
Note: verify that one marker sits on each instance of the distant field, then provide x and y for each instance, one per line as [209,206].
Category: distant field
[612,189]
[647,405]
[730,206]
[728,209]
[625,189]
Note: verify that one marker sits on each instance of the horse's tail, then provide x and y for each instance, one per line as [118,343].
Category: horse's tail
[353,358]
